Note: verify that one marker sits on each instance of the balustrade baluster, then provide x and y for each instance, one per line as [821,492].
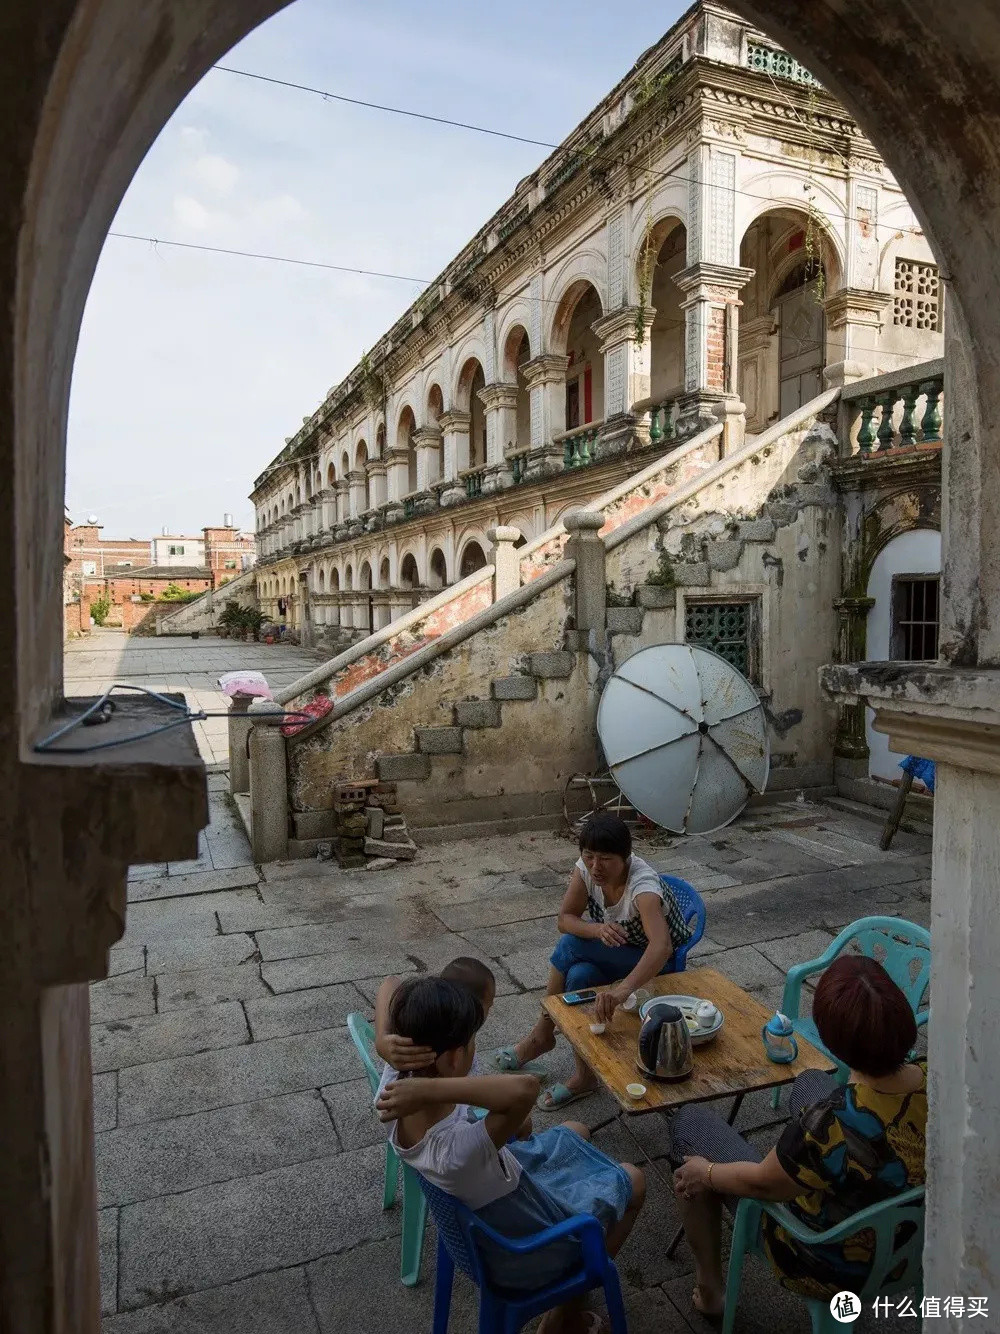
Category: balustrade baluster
[583,448]
[930,426]
[907,426]
[668,421]
[568,452]
[866,431]
[655,429]
[886,432]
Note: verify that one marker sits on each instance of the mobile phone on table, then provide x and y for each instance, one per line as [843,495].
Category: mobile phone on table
[578,997]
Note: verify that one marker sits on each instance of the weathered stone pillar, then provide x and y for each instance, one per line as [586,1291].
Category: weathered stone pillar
[455,428]
[853,325]
[711,333]
[626,373]
[359,492]
[397,465]
[506,561]
[239,730]
[586,547]
[500,404]
[268,792]
[545,377]
[427,442]
[343,500]
[377,490]
[851,743]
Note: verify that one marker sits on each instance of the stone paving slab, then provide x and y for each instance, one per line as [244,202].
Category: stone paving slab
[309,1011]
[126,959]
[122,997]
[530,967]
[200,882]
[195,915]
[107,1241]
[106,1100]
[747,967]
[350,1106]
[501,909]
[165,1157]
[319,970]
[197,987]
[787,951]
[152,1038]
[275,1303]
[219,1233]
[187,954]
[163,1089]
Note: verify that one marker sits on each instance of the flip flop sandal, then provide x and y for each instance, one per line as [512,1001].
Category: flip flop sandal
[559,1095]
[506,1060]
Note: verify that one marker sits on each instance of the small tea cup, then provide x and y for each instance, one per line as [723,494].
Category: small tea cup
[706,1014]
[597,1029]
[635,1091]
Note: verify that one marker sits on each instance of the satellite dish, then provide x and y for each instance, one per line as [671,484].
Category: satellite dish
[91,519]
[685,737]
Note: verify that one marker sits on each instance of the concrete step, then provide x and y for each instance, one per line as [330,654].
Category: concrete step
[515,687]
[400,768]
[479,712]
[551,666]
[439,740]
[624,620]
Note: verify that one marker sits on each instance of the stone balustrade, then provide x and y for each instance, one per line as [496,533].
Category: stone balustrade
[579,445]
[894,412]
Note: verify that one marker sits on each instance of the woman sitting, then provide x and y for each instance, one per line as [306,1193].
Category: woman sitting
[847,1146]
[619,925]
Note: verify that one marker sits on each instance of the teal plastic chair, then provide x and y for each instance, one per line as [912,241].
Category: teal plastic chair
[902,948]
[896,1266]
[414,1202]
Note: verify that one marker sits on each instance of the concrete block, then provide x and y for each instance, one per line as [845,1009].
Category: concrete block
[163,1089]
[439,740]
[155,1037]
[402,851]
[395,833]
[375,816]
[724,555]
[624,620]
[694,575]
[381,863]
[313,824]
[403,767]
[162,1157]
[477,713]
[756,530]
[551,666]
[651,596]
[515,687]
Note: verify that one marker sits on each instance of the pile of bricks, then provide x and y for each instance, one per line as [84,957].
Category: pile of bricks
[369,828]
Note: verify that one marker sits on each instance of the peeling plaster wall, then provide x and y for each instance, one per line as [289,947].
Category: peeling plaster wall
[517,769]
[769,529]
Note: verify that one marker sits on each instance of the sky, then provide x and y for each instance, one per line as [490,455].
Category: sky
[192,368]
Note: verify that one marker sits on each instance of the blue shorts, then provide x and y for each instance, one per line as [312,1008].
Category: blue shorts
[591,963]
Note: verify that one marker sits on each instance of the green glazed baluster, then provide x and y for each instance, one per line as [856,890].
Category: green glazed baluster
[668,421]
[930,426]
[907,426]
[886,433]
[583,453]
[655,429]
[866,432]
[568,452]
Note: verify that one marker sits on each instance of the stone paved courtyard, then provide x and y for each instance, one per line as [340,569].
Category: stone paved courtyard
[181,663]
[239,1160]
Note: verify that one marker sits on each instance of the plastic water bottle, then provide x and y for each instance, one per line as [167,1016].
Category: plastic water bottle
[779,1039]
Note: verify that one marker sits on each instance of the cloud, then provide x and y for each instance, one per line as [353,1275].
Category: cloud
[193,134]
[278,211]
[217,172]
[192,214]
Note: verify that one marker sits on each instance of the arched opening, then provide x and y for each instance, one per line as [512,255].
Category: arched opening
[573,334]
[517,351]
[367,608]
[380,441]
[473,559]
[435,411]
[383,573]
[437,573]
[404,441]
[782,331]
[408,576]
[666,335]
[333,611]
[331,475]
[347,606]
[471,381]
[361,467]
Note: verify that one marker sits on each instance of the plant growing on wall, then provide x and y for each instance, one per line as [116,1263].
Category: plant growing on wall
[647,262]
[662,574]
[99,609]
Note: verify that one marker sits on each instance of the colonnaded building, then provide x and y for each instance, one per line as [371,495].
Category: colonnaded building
[711,318]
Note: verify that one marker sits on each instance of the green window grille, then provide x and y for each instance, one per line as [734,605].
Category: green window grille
[723,627]
[779,64]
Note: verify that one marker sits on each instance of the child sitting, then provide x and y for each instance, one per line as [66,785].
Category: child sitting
[517,1188]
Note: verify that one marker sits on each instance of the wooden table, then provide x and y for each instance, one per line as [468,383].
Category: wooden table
[732,1065]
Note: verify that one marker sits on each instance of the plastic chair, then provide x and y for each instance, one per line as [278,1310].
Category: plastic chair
[884,1218]
[902,948]
[503,1313]
[692,905]
[414,1203]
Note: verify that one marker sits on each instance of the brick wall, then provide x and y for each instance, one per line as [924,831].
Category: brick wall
[716,343]
[76,618]
[123,590]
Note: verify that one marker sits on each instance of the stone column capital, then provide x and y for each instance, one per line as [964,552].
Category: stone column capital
[545,369]
[713,282]
[455,421]
[583,523]
[427,435]
[498,395]
[620,326]
[503,533]
[850,304]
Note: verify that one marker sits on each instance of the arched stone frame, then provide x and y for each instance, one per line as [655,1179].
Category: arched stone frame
[517,313]
[409,570]
[669,204]
[331,474]
[384,567]
[366,581]
[526,523]
[379,437]
[470,380]
[588,265]
[668,240]
[471,540]
[406,425]
[437,569]
[471,348]
[772,191]
[577,310]
[513,353]
[433,401]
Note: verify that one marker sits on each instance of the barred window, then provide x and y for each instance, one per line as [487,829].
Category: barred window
[915,619]
[918,296]
[727,628]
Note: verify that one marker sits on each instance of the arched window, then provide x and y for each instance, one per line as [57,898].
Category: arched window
[438,569]
[408,576]
[473,559]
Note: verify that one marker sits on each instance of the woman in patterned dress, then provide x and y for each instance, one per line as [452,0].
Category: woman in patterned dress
[846,1146]
[619,924]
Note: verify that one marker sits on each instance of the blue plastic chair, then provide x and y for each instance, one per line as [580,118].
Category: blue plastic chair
[692,905]
[414,1203]
[904,1261]
[501,1313]
[902,948]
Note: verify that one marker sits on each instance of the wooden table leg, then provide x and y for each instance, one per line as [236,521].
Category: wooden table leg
[675,1240]
[896,814]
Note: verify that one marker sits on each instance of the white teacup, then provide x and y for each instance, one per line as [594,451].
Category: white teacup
[706,1014]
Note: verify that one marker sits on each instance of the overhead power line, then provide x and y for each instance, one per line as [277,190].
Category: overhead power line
[379,106]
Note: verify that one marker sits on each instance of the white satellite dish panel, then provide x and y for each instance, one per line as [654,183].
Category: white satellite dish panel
[685,737]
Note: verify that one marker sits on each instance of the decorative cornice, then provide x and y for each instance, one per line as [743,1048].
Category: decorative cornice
[727,276]
[498,396]
[544,369]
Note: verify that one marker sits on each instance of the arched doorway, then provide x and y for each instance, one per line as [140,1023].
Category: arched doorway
[473,559]
[573,334]
[404,442]
[409,577]
[666,336]
[368,607]
[471,381]
[517,351]
[437,569]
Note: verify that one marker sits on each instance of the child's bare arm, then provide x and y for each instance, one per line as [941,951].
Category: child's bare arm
[401,1053]
[507,1099]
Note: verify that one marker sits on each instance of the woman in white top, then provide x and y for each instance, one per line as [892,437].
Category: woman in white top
[619,925]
